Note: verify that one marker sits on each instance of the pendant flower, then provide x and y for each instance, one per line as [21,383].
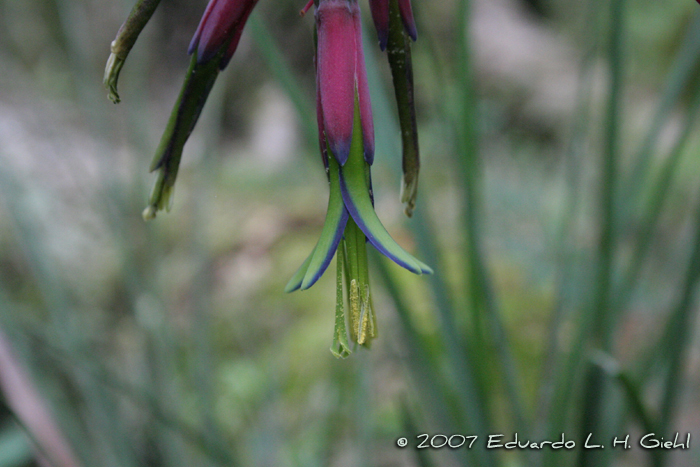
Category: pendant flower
[346,136]
[212,47]
[395,25]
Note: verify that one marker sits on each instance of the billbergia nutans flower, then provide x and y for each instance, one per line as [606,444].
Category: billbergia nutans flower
[346,136]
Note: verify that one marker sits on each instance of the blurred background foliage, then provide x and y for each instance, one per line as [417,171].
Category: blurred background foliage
[557,205]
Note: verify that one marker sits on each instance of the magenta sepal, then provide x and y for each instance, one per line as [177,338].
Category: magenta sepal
[366,119]
[380,16]
[220,26]
[407,17]
[341,75]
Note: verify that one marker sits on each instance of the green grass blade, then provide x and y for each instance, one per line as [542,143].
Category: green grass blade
[411,429]
[602,324]
[632,393]
[460,356]
[445,409]
[202,371]
[15,449]
[468,163]
[681,75]
[564,249]
[142,397]
[654,207]
[483,300]
[681,322]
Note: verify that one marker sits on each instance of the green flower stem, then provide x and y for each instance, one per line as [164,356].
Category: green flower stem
[126,38]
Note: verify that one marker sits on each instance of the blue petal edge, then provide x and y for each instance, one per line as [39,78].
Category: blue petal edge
[416,266]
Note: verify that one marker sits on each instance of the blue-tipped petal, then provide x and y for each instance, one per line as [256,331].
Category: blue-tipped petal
[340,149]
[323,253]
[296,280]
[331,234]
[360,208]
[380,16]
[221,25]
[355,191]
[407,17]
[333,227]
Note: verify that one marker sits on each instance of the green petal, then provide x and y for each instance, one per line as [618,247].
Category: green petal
[295,282]
[355,190]
[336,218]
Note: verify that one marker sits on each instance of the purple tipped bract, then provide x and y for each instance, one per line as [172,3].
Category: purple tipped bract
[380,16]
[407,17]
[221,27]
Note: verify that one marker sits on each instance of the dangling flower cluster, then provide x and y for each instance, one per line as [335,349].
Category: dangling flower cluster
[346,135]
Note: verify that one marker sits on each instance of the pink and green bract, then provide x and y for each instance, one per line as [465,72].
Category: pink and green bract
[212,47]
[346,137]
